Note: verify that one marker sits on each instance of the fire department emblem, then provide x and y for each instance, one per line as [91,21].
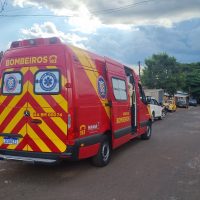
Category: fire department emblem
[11,83]
[53,59]
[102,88]
[48,81]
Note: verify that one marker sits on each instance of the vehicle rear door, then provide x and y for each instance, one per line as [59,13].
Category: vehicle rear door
[47,108]
[13,105]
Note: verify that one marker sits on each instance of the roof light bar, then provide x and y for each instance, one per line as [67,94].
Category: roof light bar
[32,42]
[53,40]
[15,44]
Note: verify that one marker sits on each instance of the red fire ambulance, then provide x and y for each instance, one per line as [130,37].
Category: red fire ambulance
[61,102]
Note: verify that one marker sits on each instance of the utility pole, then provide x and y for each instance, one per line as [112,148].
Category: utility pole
[2,5]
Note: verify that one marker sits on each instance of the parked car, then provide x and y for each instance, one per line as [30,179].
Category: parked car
[182,103]
[157,111]
[170,105]
[192,102]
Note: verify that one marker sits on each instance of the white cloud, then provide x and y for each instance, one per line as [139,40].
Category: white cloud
[84,22]
[81,19]
[48,29]
[90,14]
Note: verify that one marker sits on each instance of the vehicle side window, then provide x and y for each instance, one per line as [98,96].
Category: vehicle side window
[47,82]
[152,102]
[12,83]
[142,94]
[119,89]
[155,102]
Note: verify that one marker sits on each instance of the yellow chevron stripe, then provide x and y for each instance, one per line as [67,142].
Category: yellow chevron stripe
[61,101]
[53,137]
[61,124]
[41,144]
[1,141]
[25,148]
[9,69]
[49,133]
[52,67]
[29,148]
[34,70]
[23,133]
[2,98]
[12,104]
[17,118]
[24,70]
[86,62]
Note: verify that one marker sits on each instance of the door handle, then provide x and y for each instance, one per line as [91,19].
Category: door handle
[109,104]
[36,121]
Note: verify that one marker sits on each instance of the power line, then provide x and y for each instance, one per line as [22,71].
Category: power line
[105,11]
[19,9]
[38,15]
[110,10]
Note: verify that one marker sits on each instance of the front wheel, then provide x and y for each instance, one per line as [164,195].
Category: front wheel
[163,114]
[104,154]
[147,134]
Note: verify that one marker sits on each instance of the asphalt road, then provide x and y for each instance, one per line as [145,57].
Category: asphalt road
[167,167]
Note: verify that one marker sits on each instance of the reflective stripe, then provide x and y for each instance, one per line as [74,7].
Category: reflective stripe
[61,124]
[12,104]
[40,143]
[85,60]
[18,116]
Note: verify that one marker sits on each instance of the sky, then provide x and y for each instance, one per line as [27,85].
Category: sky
[127,31]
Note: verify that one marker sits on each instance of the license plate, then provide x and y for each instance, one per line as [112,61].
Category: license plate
[8,140]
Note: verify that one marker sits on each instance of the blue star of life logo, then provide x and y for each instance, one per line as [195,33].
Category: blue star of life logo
[48,81]
[10,83]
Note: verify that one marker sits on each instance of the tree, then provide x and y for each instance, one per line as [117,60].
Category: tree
[192,74]
[1,55]
[162,71]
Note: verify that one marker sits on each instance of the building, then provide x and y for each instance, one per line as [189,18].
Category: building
[158,94]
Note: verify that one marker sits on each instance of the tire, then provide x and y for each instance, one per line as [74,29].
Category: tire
[147,134]
[153,117]
[104,154]
[162,115]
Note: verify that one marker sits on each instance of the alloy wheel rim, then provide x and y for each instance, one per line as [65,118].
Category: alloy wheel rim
[105,152]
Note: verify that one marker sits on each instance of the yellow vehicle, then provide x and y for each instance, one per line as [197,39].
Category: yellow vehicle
[170,105]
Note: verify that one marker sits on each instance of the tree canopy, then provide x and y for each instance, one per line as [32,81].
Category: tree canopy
[163,71]
[192,78]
